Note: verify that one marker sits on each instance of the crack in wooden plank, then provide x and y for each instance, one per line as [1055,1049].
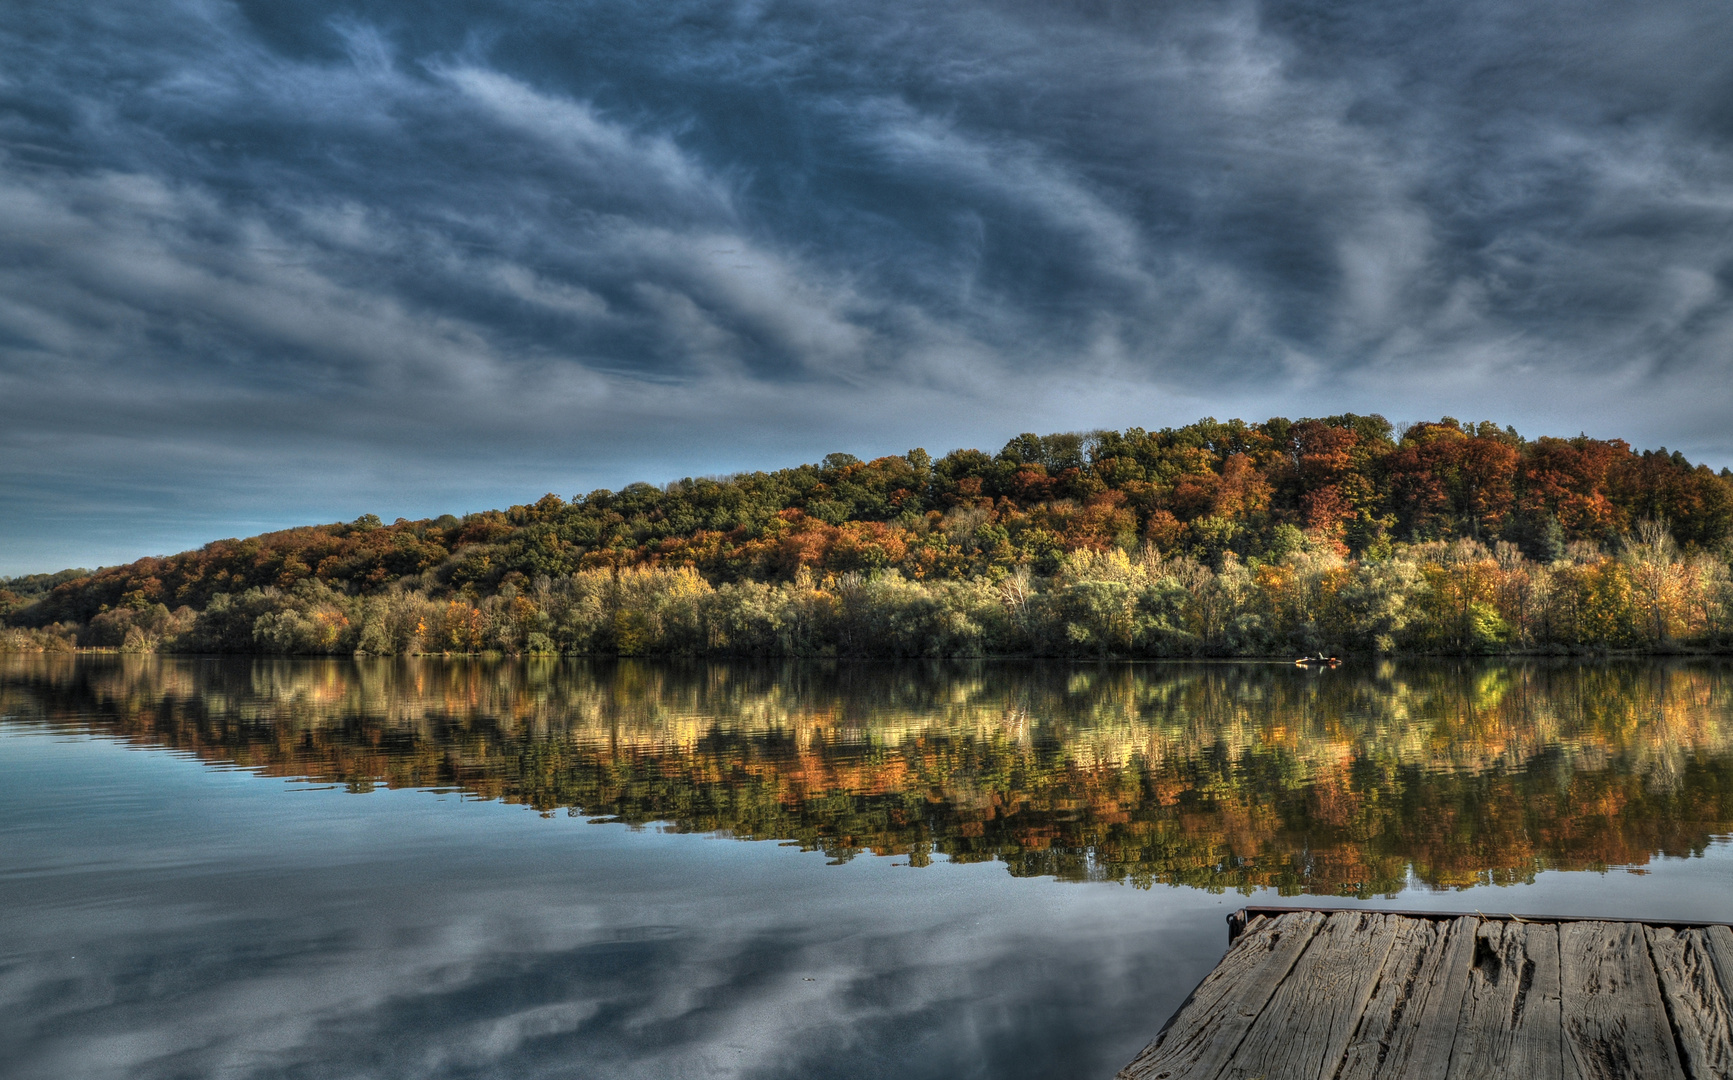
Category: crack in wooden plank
[1509,1022]
[1615,1024]
[1696,1006]
[1304,1030]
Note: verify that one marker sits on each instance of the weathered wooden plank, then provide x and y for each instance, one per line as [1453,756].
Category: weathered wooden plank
[1695,1002]
[1719,941]
[1251,910]
[1615,1025]
[1304,1030]
[1410,1024]
[1358,995]
[1509,1023]
[1415,950]
[1208,1027]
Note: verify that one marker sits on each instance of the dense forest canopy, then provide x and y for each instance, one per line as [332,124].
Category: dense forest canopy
[1145,515]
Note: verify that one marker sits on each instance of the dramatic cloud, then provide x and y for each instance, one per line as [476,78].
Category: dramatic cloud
[261,265]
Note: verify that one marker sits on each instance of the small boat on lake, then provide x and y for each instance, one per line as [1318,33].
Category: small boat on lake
[1317,661]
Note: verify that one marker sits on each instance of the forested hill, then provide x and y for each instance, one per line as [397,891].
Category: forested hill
[1212,495]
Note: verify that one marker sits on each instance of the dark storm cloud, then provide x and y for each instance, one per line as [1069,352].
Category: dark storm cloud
[265,263]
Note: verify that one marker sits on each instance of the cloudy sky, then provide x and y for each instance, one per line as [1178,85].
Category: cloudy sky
[267,263]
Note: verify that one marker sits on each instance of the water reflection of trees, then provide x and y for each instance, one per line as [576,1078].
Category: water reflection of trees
[1220,776]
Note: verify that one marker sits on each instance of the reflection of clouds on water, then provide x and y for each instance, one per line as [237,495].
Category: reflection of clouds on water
[161,917]
[694,1005]
[340,936]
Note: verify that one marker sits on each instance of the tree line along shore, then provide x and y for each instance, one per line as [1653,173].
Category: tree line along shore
[1214,539]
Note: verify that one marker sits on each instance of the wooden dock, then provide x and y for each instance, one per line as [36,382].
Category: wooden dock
[1362,995]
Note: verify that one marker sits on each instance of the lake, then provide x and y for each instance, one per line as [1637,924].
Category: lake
[558,868]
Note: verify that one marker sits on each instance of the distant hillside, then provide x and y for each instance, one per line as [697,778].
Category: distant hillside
[1211,494]
[32,586]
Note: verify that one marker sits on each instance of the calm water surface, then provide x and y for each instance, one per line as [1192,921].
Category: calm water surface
[453,869]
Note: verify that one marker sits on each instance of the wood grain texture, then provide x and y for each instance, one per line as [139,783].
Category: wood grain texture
[1615,1025]
[1304,1030]
[1208,1027]
[1416,950]
[1366,995]
[1695,1002]
[1509,1022]
[1410,1025]
[1718,940]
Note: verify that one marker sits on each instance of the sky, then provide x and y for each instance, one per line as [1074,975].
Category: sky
[265,264]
